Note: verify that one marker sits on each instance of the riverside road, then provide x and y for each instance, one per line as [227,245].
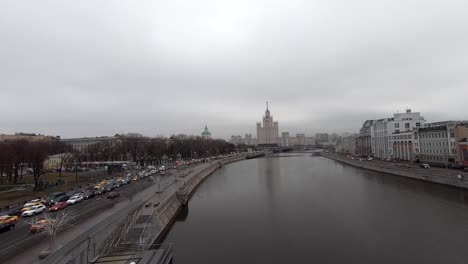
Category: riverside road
[20,241]
[299,208]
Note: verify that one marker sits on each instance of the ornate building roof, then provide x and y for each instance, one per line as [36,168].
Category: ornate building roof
[206,133]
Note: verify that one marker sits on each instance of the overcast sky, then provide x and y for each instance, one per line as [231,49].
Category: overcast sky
[93,68]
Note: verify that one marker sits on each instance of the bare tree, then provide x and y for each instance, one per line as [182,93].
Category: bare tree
[49,225]
[64,160]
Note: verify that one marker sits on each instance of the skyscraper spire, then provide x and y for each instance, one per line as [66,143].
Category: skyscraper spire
[267,104]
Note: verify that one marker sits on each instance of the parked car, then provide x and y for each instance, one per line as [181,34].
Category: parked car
[37,209]
[75,199]
[424,166]
[7,226]
[465,169]
[113,195]
[51,198]
[58,206]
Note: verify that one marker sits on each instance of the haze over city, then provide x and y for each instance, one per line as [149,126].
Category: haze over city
[93,68]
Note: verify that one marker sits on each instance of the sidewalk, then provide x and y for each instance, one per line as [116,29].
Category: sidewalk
[405,169]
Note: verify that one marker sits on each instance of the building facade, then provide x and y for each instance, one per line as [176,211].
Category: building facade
[363,140]
[383,129]
[82,144]
[267,133]
[439,143]
[321,137]
[347,145]
[404,145]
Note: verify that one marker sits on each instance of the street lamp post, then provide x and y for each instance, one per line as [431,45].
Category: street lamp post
[76,171]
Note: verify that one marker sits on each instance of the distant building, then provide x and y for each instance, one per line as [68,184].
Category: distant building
[382,129]
[321,137]
[439,143]
[248,140]
[267,134]
[285,139]
[31,137]
[206,133]
[53,162]
[236,140]
[404,145]
[363,140]
[347,145]
[82,144]
[299,140]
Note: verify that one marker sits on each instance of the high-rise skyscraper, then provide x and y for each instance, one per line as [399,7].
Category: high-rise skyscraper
[268,133]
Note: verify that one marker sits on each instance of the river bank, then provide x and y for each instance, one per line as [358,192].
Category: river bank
[410,170]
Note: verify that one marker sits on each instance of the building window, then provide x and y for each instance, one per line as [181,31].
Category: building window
[418,124]
[397,125]
[407,125]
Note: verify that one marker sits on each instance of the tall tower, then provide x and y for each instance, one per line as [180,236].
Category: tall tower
[268,133]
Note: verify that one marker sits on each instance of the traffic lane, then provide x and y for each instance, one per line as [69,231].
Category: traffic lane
[21,230]
[418,171]
[20,241]
[20,238]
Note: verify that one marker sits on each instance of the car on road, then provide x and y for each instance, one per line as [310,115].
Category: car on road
[88,194]
[7,226]
[77,198]
[465,169]
[37,209]
[62,199]
[113,195]
[58,206]
[424,166]
[51,198]
[136,178]
[28,206]
[8,219]
[39,225]
[17,211]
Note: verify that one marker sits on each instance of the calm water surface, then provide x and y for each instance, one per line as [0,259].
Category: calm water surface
[297,208]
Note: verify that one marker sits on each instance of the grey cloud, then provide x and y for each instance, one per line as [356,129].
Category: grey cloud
[83,68]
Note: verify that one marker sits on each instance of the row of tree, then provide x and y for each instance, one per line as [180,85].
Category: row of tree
[151,150]
[15,156]
[18,155]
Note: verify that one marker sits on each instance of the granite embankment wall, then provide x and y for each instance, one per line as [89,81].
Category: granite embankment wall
[168,209]
[436,175]
[96,240]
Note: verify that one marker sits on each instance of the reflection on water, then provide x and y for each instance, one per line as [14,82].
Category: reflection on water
[294,208]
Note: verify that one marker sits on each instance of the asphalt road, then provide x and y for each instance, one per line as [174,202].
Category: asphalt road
[414,168]
[20,239]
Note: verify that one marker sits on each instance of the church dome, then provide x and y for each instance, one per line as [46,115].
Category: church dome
[206,133]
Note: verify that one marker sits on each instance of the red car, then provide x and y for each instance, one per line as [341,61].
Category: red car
[58,207]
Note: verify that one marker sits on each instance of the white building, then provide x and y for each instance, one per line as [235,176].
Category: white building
[383,129]
[268,133]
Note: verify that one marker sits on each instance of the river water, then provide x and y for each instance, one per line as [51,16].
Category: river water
[300,208]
